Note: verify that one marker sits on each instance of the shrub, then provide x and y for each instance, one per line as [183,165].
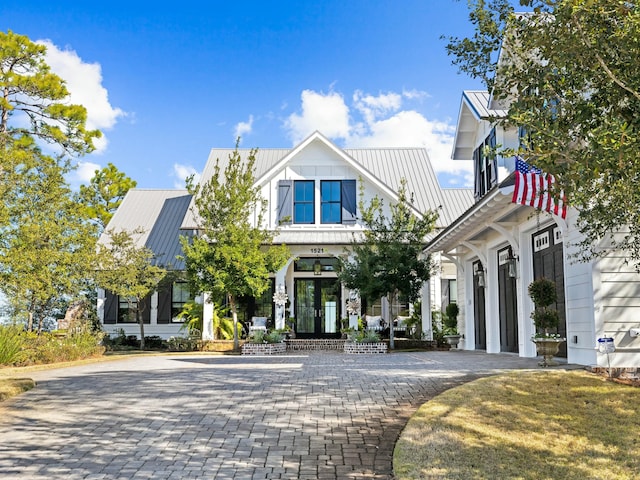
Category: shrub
[122,341]
[451,319]
[154,342]
[11,344]
[260,336]
[436,325]
[49,348]
[366,336]
[543,294]
[182,344]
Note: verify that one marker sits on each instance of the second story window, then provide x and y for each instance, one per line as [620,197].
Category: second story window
[303,201]
[330,204]
[297,202]
[485,167]
[338,201]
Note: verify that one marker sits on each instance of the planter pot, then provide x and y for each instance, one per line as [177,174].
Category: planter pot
[453,340]
[548,348]
[264,348]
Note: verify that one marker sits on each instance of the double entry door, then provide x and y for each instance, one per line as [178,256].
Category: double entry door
[317,304]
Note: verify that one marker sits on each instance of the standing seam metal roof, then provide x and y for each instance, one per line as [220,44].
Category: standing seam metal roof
[159,213]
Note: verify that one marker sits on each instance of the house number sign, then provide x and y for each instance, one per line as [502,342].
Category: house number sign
[317,250]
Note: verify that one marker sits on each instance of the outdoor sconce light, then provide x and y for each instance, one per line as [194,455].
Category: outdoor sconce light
[512,265]
[480,277]
[317,267]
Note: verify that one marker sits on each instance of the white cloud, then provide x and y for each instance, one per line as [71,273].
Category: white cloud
[82,174]
[181,172]
[86,171]
[372,107]
[415,94]
[243,127]
[379,121]
[328,114]
[84,82]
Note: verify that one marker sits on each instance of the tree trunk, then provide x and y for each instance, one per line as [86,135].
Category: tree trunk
[30,322]
[141,323]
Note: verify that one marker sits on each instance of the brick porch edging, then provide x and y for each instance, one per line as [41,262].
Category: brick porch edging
[264,348]
[365,348]
[315,344]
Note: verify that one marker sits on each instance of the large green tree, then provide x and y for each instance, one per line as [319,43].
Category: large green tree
[567,74]
[128,270]
[47,246]
[233,254]
[104,194]
[44,237]
[389,261]
[34,101]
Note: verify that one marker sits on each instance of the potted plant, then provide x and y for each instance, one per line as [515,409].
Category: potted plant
[264,343]
[291,325]
[451,334]
[546,319]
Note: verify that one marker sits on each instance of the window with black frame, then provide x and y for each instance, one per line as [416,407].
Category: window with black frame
[126,310]
[303,201]
[485,165]
[180,295]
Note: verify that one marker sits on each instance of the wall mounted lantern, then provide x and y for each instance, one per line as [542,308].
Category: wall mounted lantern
[512,265]
[480,277]
[317,267]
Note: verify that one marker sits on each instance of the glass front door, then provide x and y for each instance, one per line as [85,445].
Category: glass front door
[317,301]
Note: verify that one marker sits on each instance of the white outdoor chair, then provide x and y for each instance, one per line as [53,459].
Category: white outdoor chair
[258,323]
[374,322]
[400,325]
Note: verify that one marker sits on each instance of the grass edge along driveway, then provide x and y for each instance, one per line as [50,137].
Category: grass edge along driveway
[525,425]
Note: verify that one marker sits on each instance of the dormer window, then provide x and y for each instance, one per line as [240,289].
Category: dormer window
[303,201]
[485,167]
[297,201]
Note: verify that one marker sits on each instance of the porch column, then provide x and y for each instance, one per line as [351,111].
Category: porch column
[281,282]
[425,315]
[153,314]
[207,317]
[100,304]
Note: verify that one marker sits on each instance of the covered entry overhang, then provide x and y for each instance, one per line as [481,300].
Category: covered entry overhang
[490,244]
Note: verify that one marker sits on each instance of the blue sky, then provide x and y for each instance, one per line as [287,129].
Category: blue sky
[166,82]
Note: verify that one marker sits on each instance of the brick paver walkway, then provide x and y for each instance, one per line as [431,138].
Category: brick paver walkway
[307,416]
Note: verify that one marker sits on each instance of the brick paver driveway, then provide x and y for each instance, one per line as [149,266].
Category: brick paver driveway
[314,416]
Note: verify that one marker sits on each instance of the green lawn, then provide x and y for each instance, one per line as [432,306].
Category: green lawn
[10,387]
[525,425]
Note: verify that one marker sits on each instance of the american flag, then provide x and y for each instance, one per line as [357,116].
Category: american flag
[533,188]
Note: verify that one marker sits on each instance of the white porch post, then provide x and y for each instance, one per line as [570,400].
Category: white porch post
[100,304]
[281,281]
[426,326]
[207,317]
[154,309]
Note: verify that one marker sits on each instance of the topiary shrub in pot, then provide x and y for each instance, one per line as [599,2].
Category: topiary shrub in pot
[543,294]
[450,320]
[546,319]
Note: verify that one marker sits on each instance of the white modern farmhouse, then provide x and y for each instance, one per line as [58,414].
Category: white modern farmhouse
[500,245]
[313,191]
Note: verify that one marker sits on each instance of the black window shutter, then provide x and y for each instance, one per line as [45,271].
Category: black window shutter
[285,202]
[348,201]
[146,309]
[110,307]
[164,304]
